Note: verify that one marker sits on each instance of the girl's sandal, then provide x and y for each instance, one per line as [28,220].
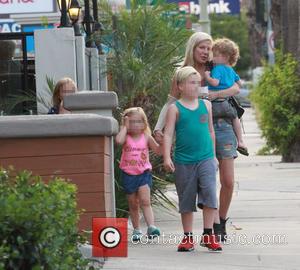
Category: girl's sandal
[243,151]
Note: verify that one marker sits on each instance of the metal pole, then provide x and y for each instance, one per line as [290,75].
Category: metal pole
[95,10]
[270,35]
[204,18]
[87,22]
[64,21]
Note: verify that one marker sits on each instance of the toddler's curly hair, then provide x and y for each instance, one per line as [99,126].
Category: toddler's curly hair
[228,48]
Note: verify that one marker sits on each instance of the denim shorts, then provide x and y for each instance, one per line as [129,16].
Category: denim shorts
[131,183]
[226,142]
[196,184]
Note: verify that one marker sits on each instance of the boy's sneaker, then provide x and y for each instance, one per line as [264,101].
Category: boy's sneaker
[153,232]
[136,235]
[210,241]
[186,244]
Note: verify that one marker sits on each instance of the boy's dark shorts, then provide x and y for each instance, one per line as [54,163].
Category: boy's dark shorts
[131,183]
[196,183]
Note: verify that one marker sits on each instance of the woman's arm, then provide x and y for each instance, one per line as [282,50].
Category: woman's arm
[232,91]
[168,137]
[162,115]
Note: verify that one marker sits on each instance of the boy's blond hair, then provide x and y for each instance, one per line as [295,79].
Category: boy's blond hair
[227,48]
[140,111]
[183,73]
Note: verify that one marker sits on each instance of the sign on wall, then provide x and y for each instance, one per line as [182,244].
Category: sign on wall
[9,26]
[231,7]
[25,6]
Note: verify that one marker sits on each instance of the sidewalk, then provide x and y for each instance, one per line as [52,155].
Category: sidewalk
[265,210]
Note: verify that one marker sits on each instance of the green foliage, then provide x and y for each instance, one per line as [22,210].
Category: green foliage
[38,223]
[223,25]
[277,97]
[145,46]
[31,98]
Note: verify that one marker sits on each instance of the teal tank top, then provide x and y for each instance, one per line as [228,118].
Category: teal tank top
[193,140]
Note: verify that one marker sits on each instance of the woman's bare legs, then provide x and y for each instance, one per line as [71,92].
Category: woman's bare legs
[226,167]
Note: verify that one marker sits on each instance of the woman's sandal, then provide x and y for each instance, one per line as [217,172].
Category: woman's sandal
[243,151]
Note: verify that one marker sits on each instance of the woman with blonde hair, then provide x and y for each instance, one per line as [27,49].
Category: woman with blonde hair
[198,54]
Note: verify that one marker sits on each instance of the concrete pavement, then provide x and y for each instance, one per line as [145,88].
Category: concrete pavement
[264,225]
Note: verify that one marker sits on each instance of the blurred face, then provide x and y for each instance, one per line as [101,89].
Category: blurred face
[219,58]
[67,88]
[202,51]
[136,124]
[189,88]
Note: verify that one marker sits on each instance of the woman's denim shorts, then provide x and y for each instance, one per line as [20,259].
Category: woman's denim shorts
[226,142]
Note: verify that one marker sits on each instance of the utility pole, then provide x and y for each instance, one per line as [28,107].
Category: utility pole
[270,35]
[203,16]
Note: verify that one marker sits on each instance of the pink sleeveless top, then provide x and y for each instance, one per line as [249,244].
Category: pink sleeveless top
[135,156]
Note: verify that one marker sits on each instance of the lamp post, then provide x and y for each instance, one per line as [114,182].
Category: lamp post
[87,25]
[74,12]
[98,27]
[63,7]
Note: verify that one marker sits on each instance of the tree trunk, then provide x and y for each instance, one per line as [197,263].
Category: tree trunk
[286,23]
[290,27]
[294,153]
[257,35]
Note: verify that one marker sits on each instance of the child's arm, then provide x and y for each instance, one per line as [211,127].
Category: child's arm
[211,81]
[168,137]
[239,83]
[121,136]
[154,146]
[232,91]
[210,123]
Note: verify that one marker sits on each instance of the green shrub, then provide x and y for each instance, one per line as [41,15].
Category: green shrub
[277,97]
[38,223]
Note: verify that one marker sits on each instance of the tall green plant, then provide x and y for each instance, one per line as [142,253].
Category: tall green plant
[277,97]
[145,46]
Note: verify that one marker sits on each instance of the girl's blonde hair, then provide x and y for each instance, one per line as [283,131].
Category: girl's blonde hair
[56,99]
[140,111]
[227,48]
[192,43]
[183,73]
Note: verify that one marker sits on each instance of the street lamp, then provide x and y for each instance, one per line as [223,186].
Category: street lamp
[74,12]
[88,22]
[63,7]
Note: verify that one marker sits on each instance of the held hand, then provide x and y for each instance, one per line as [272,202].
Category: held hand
[207,74]
[212,95]
[168,165]
[159,136]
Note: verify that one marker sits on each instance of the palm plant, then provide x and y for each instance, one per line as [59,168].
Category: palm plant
[145,46]
[31,98]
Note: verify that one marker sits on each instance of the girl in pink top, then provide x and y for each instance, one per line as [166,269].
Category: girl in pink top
[135,137]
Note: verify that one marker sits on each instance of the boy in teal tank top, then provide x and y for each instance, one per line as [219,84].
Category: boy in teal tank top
[194,158]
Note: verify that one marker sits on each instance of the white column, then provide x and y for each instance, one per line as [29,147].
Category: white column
[80,63]
[54,58]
